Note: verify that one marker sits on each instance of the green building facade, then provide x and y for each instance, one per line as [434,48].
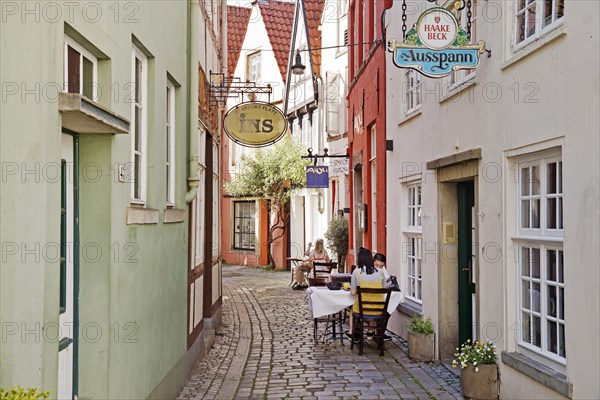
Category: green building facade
[100,128]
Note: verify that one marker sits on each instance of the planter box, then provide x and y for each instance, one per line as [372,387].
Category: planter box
[481,385]
[421,346]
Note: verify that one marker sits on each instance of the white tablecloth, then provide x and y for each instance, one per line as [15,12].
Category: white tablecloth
[322,301]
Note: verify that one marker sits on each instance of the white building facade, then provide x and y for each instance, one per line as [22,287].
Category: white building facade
[316,109]
[492,187]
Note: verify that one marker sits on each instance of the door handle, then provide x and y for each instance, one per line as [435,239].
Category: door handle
[466,269]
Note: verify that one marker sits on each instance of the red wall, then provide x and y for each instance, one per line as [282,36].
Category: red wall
[367,96]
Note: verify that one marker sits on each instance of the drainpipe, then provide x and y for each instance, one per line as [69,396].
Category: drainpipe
[192,103]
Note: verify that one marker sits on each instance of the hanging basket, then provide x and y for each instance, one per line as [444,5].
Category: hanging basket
[481,385]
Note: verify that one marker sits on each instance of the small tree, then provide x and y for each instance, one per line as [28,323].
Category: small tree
[271,174]
[337,239]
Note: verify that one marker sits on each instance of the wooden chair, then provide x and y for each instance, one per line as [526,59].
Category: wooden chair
[331,320]
[372,308]
[321,268]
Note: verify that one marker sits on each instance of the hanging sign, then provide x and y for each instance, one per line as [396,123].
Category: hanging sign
[436,46]
[317,177]
[255,124]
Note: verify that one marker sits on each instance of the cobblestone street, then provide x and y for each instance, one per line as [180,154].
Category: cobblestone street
[266,350]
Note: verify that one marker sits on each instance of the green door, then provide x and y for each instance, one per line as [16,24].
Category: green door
[466,285]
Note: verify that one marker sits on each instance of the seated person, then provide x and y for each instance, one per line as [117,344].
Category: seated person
[379,262]
[309,249]
[318,254]
[365,275]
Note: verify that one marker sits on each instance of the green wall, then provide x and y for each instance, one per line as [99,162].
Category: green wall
[133,297]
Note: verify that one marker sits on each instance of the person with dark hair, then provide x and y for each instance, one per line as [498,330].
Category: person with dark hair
[379,261]
[365,275]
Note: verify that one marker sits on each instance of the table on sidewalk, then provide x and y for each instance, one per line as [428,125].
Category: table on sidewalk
[322,301]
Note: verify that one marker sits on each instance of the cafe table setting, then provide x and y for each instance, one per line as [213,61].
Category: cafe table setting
[322,301]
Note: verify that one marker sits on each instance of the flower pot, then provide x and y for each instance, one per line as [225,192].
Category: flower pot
[481,385]
[421,346]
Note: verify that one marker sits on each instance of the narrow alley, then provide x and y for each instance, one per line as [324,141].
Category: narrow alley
[266,350]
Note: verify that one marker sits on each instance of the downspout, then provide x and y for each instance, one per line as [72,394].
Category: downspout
[192,103]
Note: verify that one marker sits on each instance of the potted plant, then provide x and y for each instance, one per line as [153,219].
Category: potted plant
[337,239]
[479,372]
[421,339]
[18,393]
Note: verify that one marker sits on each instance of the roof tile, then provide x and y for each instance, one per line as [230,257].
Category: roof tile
[278,17]
[237,25]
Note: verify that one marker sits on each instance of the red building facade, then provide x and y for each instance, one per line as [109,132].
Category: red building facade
[367,126]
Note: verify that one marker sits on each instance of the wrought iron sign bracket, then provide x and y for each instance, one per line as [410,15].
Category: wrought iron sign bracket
[223,87]
[315,157]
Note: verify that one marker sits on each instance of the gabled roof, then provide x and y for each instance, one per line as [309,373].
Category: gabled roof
[278,17]
[314,12]
[237,25]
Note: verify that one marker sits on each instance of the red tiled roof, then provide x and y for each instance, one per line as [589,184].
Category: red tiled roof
[237,25]
[314,12]
[278,17]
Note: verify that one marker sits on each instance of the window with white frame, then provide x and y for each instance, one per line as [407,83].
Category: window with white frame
[244,232]
[412,246]
[170,144]
[333,102]
[342,26]
[534,17]
[254,67]
[80,70]
[541,260]
[138,125]
[373,167]
[463,20]
[412,91]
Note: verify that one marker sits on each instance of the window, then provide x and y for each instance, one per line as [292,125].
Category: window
[413,91]
[533,17]
[80,70]
[215,200]
[463,20]
[170,145]
[413,276]
[342,26]
[412,246]
[139,125]
[414,207]
[244,237]
[253,67]
[373,165]
[541,259]
[333,102]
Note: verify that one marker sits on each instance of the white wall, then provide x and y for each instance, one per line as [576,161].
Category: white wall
[516,99]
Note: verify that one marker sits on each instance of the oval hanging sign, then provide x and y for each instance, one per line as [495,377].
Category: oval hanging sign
[255,124]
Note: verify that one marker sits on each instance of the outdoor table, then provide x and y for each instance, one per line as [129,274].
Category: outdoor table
[322,301]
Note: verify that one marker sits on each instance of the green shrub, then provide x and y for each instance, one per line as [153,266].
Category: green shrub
[417,325]
[18,393]
[337,239]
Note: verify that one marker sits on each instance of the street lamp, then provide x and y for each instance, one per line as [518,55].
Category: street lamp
[298,68]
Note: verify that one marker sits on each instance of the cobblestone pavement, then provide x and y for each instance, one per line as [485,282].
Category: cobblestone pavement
[265,350]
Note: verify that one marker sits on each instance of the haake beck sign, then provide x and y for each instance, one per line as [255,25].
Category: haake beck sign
[255,124]
[436,46]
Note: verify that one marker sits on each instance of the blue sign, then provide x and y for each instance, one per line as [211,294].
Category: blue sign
[436,46]
[317,177]
[436,63]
